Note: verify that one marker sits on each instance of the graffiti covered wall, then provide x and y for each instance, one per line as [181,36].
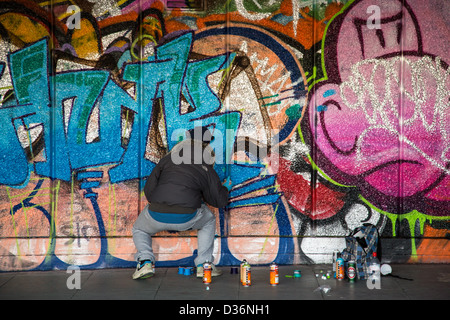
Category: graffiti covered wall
[326,115]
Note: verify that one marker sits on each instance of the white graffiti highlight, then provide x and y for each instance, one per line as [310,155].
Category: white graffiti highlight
[380,107]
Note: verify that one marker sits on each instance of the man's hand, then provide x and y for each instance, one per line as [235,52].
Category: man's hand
[227,183]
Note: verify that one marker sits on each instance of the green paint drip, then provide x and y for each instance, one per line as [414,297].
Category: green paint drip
[412,218]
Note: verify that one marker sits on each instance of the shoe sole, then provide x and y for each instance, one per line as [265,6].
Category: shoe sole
[144,276]
[213,274]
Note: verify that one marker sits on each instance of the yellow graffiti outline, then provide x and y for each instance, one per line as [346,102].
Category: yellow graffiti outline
[14,224]
[226,71]
[71,202]
[54,206]
[112,222]
[141,37]
[314,165]
[268,231]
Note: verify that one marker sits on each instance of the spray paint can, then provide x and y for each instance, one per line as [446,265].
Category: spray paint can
[351,271]
[180,270]
[246,278]
[335,254]
[340,272]
[241,269]
[207,272]
[274,276]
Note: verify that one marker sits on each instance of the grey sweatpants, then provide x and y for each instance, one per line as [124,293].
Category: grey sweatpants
[145,227]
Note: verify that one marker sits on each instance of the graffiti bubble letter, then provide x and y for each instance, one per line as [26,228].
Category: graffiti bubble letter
[374,20]
[74,281]
[73,21]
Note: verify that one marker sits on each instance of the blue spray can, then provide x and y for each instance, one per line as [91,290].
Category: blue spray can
[340,270]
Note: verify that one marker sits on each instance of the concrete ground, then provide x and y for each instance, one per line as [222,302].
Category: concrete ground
[429,282]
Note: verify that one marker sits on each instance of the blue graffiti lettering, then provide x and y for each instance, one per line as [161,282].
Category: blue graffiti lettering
[62,105]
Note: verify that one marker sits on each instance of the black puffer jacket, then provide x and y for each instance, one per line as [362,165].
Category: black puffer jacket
[175,187]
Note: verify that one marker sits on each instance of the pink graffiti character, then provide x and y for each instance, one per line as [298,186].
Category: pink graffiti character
[381,119]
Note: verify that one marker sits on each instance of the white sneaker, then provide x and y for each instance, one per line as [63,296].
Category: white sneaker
[214,271]
[145,269]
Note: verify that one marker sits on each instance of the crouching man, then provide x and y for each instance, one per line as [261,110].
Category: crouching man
[178,189]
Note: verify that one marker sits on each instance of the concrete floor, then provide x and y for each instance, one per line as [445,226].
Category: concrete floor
[430,282]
